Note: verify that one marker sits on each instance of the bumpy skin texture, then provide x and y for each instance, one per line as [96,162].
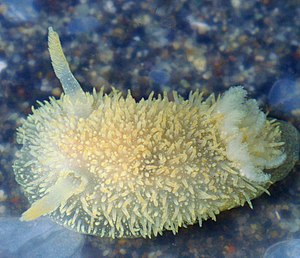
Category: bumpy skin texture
[107,165]
[130,169]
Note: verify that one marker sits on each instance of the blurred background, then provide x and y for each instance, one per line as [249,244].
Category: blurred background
[153,46]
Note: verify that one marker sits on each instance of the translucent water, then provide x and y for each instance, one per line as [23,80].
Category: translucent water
[284,249]
[40,238]
[20,11]
[284,96]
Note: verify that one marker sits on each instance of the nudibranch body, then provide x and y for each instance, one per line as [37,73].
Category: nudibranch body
[110,166]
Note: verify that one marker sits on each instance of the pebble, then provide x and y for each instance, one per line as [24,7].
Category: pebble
[2,209]
[236,4]
[199,26]
[3,65]
[83,25]
[3,196]
[160,77]
[110,7]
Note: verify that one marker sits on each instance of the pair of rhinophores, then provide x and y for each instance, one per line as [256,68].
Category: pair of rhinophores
[106,165]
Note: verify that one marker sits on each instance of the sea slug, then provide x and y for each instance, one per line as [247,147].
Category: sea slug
[107,165]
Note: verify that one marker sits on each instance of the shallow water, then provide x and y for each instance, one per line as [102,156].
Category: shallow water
[39,238]
[151,46]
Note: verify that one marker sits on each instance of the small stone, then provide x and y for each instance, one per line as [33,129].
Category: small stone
[110,7]
[3,65]
[106,252]
[122,251]
[259,58]
[2,209]
[200,27]
[83,25]
[159,76]
[236,4]
[3,196]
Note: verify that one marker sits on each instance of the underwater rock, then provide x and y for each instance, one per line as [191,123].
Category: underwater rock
[39,238]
